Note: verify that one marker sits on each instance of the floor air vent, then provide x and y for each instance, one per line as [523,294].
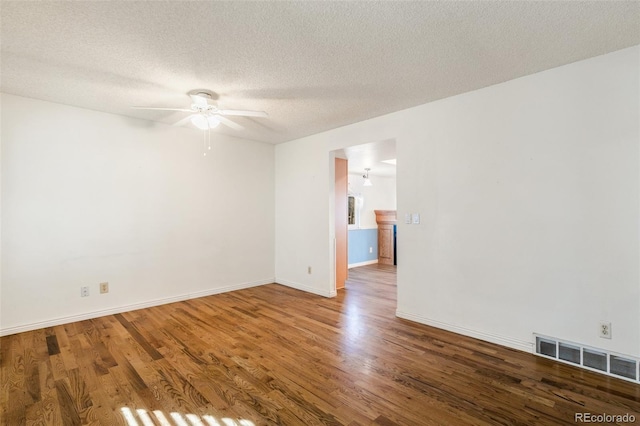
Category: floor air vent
[599,360]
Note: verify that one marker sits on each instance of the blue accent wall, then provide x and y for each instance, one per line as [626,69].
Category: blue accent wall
[359,242]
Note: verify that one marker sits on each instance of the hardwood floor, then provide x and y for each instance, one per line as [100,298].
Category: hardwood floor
[274,355]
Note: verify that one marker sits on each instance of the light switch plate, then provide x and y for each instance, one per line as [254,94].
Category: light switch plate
[416,218]
[407,218]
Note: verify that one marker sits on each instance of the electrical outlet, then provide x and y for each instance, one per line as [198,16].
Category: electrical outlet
[104,288]
[84,291]
[308,269]
[370,249]
[605,330]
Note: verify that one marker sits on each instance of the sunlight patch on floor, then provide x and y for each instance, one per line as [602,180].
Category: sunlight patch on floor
[141,417]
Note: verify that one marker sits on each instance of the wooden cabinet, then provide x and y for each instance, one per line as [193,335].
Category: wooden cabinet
[386,220]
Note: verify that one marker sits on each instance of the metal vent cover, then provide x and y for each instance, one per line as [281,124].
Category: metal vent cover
[599,360]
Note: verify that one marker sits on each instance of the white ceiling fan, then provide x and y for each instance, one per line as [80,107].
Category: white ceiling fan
[205,115]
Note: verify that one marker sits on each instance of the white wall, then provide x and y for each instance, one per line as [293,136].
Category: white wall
[529,199]
[91,197]
[380,196]
[303,174]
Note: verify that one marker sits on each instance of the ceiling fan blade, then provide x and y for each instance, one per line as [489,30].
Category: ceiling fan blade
[200,101]
[243,113]
[229,123]
[162,109]
[184,121]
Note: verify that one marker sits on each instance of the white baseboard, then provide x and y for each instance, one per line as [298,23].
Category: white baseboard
[306,288]
[367,262]
[521,345]
[132,307]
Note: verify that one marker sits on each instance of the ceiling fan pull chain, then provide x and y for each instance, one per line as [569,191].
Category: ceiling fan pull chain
[209,137]
[204,144]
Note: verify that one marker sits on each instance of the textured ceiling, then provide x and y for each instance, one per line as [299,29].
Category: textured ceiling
[312,66]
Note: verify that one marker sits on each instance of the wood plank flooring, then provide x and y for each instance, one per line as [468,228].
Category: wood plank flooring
[273,355]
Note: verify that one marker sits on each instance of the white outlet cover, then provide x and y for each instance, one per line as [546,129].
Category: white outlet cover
[605,330]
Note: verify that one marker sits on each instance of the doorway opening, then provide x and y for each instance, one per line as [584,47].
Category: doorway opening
[370,186]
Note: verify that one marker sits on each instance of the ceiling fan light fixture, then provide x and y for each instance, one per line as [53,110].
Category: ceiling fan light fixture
[205,115]
[200,121]
[213,122]
[365,176]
